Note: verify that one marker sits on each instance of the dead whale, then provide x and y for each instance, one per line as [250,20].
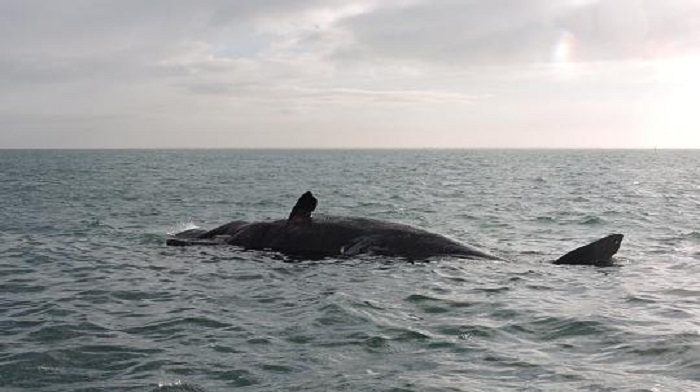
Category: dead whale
[335,236]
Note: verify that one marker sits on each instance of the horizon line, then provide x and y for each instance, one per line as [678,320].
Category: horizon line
[345,148]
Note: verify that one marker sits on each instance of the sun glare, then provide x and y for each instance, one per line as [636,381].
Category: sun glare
[563,56]
[676,114]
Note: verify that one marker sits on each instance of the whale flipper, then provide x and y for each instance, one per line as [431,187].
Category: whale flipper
[598,253]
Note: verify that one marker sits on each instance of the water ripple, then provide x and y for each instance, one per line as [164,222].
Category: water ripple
[90,299]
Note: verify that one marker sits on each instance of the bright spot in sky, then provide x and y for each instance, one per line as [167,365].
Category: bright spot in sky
[676,113]
[563,54]
[350,74]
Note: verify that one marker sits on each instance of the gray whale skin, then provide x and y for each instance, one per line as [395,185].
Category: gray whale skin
[338,236]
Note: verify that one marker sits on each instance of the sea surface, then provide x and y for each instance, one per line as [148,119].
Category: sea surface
[91,299]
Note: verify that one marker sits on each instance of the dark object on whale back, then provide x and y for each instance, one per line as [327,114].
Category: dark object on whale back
[301,213]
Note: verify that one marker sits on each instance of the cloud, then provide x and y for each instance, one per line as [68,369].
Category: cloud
[509,31]
[206,42]
[114,68]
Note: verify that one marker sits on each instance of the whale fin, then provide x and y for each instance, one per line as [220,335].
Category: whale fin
[597,253]
[301,213]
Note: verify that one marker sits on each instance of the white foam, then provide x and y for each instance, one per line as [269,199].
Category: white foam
[183,226]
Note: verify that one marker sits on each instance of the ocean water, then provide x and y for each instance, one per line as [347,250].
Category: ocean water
[92,300]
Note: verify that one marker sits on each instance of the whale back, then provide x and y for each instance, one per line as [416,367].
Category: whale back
[338,235]
[328,235]
[332,236]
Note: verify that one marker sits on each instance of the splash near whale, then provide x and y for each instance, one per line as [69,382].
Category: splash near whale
[306,236]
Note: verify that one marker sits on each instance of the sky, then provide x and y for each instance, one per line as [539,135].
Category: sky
[350,74]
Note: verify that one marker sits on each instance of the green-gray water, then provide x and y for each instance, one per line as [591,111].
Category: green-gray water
[91,299]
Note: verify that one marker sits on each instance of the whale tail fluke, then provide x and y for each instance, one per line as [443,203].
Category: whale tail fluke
[598,253]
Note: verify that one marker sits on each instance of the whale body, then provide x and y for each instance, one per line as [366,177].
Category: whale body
[338,236]
[331,236]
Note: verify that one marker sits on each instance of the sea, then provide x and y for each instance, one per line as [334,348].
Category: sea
[91,299]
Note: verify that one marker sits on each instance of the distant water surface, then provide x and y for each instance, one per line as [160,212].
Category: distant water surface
[91,299]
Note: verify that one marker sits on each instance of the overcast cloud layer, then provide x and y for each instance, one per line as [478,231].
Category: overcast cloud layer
[370,73]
